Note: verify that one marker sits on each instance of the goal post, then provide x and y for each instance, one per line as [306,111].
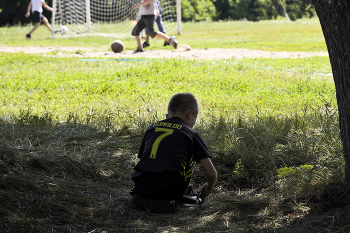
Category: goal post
[88,15]
[178,14]
[53,18]
[108,17]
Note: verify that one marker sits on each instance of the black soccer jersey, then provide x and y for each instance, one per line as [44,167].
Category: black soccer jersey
[167,152]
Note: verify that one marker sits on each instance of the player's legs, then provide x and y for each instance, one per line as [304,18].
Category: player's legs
[38,19]
[47,24]
[161,28]
[159,206]
[170,39]
[146,43]
[139,42]
[163,36]
[136,32]
[153,33]
[28,36]
[160,24]
[149,21]
[147,38]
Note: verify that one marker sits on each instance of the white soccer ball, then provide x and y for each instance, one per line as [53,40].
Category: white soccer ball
[63,30]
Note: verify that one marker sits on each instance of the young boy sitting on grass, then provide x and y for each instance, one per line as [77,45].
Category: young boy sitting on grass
[149,13]
[168,153]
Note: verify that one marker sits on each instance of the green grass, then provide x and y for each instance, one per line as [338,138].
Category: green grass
[70,131]
[301,35]
[65,85]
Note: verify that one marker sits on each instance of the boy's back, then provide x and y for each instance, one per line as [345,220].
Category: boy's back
[167,152]
[149,9]
[167,156]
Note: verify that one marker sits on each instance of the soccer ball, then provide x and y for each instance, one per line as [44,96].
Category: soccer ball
[117,46]
[63,30]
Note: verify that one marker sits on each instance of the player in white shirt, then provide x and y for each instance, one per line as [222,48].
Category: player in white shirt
[37,9]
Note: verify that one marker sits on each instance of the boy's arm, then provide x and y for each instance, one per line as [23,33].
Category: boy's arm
[28,9]
[211,177]
[143,3]
[47,7]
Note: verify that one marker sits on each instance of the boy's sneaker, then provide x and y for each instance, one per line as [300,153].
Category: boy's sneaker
[139,51]
[173,41]
[158,206]
[28,36]
[166,43]
[145,44]
[189,198]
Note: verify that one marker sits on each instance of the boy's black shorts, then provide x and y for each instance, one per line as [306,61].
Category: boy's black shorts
[174,194]
[146,21]
[38,16]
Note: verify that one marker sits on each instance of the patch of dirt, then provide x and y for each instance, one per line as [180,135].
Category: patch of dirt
[183,51]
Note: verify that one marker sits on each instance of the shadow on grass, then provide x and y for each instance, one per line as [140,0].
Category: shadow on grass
[73,178]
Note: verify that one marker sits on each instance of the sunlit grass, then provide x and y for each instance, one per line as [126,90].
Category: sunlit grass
[301,35]
[230,87]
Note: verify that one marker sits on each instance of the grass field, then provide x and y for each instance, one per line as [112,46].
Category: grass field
[70,131]
[302,36]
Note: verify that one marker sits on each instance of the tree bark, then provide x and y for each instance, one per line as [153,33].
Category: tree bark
[334,16]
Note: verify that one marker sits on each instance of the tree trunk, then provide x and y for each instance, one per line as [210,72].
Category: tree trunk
[334,16]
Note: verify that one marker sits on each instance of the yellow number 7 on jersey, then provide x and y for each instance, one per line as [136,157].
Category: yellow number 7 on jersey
[167,132]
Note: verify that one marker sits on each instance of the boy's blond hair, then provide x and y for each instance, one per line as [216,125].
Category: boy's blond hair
[182,102]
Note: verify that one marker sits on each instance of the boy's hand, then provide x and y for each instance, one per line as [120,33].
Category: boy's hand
[134,7]
[204,192]
[27,14]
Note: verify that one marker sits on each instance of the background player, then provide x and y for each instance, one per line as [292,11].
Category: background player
[160,27]
[167,156]
[149,11]
[37,9]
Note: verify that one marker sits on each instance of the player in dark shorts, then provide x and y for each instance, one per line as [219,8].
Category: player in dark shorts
[37,7]
[38,16]
[167,156]
[160,25]
[149,13]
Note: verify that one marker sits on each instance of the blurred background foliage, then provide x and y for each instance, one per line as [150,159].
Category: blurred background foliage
[12,12]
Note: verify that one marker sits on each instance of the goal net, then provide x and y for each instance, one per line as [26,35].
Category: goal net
[110,17]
